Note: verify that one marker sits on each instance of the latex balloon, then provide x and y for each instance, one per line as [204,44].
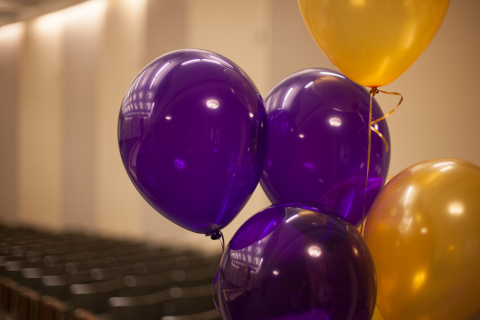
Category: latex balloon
[373,41]
[192,133]
[296,261]
[377,315]
[424,234]
[318,143]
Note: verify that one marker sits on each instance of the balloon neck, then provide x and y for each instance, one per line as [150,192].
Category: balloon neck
[373,91]
[214,235]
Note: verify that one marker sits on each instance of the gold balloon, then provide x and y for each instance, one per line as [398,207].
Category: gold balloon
[424,235]
[373,41]
[377,315]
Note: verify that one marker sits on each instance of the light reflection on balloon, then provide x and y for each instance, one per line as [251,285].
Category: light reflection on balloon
[314,251]
[335,122]
[212,104]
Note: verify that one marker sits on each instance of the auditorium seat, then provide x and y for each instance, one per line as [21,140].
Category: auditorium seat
[169,302]
[27,304]
[75,276]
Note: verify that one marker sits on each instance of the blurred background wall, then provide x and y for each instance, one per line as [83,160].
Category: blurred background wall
[63,74]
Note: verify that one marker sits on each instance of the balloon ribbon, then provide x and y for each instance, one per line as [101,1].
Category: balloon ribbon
[373,92]
[214,236]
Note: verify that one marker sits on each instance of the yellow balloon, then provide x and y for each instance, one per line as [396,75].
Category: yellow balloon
[423,232]
[362,227]
[373,41]
[377,315]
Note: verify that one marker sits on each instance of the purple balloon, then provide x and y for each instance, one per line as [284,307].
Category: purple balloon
[192,133]
[318,142]
[297,261]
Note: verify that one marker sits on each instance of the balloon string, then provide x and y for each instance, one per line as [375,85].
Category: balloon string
[371,128]
[222,242]
[375,91]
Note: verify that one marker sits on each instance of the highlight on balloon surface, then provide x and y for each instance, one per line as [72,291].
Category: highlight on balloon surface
[424,235]
[192,133]
[318,143]
[373,41]
[297,261]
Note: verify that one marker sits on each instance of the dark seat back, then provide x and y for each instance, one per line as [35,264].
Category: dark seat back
[51,308]
[27,304]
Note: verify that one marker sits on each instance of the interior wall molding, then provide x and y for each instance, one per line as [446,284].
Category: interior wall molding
[12,11]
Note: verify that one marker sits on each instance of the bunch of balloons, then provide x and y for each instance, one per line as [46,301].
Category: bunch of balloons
[196,138]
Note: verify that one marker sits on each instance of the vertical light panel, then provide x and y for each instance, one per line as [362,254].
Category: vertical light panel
[40,124]
[117,203]
[166,27]
[10,41]
[293,47]
[239,30]
[83,26]
[264,45]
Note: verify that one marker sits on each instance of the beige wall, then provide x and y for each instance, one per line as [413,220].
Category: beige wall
[121,58]
[62,81]
[81,48]
[10,41]
[40,124]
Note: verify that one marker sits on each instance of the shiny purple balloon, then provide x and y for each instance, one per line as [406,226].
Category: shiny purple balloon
[192,133]
[318,142]
[297,261]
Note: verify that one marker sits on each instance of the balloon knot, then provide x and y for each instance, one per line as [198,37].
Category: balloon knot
[373,91]
[214,235]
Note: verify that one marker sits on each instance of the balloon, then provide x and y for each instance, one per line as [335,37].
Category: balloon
[373,41]
[377,315]
[318,143]
[297,261]
[192,133]
[424,234]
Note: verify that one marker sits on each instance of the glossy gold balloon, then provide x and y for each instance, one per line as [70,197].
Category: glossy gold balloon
[377,315]
[424,235]
[373,41]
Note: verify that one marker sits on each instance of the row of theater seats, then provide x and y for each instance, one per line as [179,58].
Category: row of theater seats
[73,276]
